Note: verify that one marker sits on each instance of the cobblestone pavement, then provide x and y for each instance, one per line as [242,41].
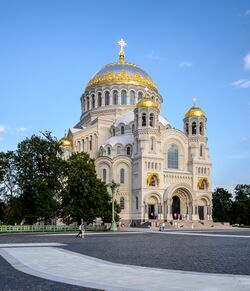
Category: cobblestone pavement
[228,255]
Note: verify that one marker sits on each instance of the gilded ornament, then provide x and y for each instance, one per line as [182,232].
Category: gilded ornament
[201,181]
[122,78]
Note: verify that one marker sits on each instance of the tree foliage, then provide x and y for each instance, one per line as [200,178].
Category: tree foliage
[242,200]
[85,196]
[40,171]
[222,205]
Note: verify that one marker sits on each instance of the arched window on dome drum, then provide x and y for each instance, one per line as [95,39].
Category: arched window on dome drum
[143,119]
[115,97]
[151,119]
[88,103]
[124,97]
[122,203]
[107,101]
[132,97]
[201,128]
[187,128]
[93,101]
[119,150]
[139,96]
[122,176]
[194,128]
[99,99]
[122,129]
[173,157]
[104,175]
[128,151]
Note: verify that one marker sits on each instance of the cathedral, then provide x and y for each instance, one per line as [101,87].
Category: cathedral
[163,173]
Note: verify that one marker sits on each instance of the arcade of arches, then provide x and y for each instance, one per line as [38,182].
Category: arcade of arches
[180,206]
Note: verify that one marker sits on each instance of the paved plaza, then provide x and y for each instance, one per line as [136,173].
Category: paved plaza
[129,260]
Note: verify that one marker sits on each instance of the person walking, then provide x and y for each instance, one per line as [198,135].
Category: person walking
[81,231]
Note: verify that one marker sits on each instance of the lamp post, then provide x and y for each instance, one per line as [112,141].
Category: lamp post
[114,187]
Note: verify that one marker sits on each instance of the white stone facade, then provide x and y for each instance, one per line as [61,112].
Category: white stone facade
[164,173]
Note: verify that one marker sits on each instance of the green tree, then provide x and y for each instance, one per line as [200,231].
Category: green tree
[242,200]
[85,196]
[222,205]
[40,172]
[8,184]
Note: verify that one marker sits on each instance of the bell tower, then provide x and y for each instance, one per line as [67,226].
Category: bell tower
[199,163]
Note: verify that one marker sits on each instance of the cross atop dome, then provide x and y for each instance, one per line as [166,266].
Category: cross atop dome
[122,44]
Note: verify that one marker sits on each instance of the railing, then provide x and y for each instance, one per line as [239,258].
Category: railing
[48,228]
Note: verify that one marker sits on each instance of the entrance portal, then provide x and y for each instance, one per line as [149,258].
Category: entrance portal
[176,207]
[151,211]
[201,212]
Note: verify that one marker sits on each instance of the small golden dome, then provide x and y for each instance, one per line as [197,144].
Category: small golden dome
[146,102]
[194,111]
[65,142]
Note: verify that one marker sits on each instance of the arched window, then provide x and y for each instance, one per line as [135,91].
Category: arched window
[128,151]
[194,128]
[93,101]
[137,145]
[90,143]
[122,129]
[83,145]
[122,203]
[109,151]
[119,150]
[104,175]
[151,119]
[132,97]
[124,97]
[113,131]
[133,127]
[99,99]
[88,103]
[173,157]
[201,128]
[107,98]
[201,151]
[143,119]
[139,96]
[152,144]
[122,176]
[187,128]
[115,97]
[136,203]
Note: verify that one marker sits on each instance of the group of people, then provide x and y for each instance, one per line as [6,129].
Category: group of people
[81,231]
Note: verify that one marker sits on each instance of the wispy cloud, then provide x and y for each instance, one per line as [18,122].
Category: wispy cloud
[153,56]
[242,156]
[185,64]
[247,62]
[247,13]
[22,129]
[242,83]
[2,128]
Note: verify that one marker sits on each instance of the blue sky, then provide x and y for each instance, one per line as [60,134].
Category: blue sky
[50,49]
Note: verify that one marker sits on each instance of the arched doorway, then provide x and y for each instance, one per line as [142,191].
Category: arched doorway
[176,207]
[152,207]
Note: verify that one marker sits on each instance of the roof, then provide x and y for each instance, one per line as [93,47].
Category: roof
[124,140]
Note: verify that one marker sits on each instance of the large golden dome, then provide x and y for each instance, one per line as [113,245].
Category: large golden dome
[195,111]
[121,73]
